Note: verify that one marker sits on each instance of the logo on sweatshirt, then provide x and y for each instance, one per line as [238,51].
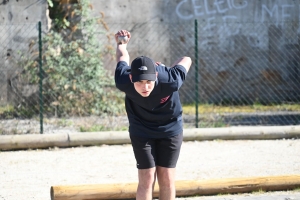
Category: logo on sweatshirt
[163,100]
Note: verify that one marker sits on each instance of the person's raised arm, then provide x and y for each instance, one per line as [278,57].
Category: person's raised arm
[121,51]
[185,61]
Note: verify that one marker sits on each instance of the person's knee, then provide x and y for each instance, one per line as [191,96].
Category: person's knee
[146,183]
[166,177]
[166,183]
[147,178]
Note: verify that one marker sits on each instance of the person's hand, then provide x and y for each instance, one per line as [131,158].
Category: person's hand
[159,63]
[122,33]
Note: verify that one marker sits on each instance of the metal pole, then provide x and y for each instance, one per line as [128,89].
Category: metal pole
[196,72]
[41,79]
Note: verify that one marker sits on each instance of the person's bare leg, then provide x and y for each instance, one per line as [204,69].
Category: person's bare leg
[166,182]
[146,184]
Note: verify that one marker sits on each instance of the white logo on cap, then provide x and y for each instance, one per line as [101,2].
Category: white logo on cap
[143,68]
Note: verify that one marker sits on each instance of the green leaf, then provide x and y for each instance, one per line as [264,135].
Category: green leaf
[50,3]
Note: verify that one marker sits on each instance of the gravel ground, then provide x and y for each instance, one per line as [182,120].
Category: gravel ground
[29,174]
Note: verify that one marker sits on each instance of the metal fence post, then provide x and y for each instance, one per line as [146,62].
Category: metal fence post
[196,72]
[41,79]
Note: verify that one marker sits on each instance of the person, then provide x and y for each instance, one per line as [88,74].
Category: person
[154,113]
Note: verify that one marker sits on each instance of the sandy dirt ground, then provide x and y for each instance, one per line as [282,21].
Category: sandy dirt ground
[29,174]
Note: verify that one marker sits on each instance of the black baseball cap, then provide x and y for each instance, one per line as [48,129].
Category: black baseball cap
[143,68]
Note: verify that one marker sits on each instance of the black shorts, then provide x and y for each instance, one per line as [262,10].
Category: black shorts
[151,152]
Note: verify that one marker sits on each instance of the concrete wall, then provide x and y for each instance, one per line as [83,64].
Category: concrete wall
[18,27]
[245,47]
[248,50]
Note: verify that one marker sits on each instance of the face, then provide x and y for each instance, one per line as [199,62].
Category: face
[143,87]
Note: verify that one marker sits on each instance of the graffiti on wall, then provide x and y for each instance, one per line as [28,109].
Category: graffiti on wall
[220,15]
[201,8]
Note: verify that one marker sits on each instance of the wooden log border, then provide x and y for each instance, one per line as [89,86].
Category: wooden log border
[36,141]
[183,188]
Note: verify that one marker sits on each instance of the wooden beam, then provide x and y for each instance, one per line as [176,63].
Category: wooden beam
[12,142]
[32,141]
[183,188]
